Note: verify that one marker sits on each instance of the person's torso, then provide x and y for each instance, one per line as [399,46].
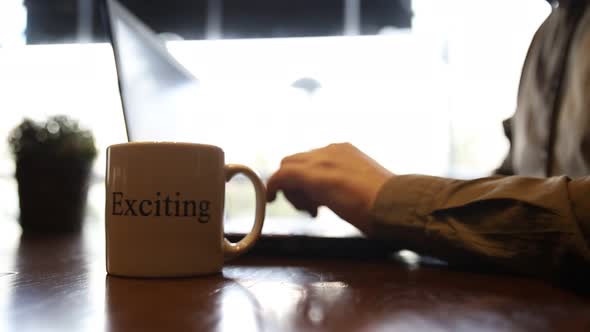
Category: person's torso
[551,127]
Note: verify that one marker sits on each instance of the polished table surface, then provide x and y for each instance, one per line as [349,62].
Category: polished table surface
[59,283]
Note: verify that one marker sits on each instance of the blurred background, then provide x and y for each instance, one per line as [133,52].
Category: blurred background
[420,85]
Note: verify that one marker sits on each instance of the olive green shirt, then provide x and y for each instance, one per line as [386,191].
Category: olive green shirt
[537,221]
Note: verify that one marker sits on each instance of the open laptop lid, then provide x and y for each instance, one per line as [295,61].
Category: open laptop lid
[156,90]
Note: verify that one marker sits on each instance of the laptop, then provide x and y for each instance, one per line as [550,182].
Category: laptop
[157,92]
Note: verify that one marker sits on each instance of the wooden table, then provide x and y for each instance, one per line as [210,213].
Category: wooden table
[58,283]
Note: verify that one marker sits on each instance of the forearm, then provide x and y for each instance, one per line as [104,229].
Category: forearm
[530,225]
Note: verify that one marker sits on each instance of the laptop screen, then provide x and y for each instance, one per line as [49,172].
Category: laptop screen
[157,92]
[161,99]
[263,99]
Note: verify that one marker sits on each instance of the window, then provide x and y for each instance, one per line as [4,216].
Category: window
[428,99]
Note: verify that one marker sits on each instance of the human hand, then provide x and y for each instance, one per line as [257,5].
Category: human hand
[338,176]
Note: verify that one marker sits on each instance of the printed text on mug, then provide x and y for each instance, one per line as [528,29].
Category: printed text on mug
[164,206]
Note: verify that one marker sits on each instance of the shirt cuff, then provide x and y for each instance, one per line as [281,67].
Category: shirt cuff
[403,205]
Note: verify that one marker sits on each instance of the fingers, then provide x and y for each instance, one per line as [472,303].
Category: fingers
[290,179]
[298,172]
[339,177]
[296,178]
[295,158]
[301,202]
[286,179]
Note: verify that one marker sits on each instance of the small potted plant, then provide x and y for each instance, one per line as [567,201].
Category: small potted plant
[53,165]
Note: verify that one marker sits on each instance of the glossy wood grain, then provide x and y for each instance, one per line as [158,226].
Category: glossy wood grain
[59,283]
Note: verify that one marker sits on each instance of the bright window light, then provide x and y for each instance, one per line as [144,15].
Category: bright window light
[13,21]
[428,100]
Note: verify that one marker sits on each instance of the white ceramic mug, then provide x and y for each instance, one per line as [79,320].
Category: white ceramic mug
[164,209]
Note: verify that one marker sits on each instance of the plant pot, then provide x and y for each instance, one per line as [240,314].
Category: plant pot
[52,193]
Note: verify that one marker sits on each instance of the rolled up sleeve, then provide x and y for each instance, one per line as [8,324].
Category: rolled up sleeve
[529,225]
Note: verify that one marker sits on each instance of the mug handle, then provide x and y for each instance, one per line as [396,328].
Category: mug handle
[230,249]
